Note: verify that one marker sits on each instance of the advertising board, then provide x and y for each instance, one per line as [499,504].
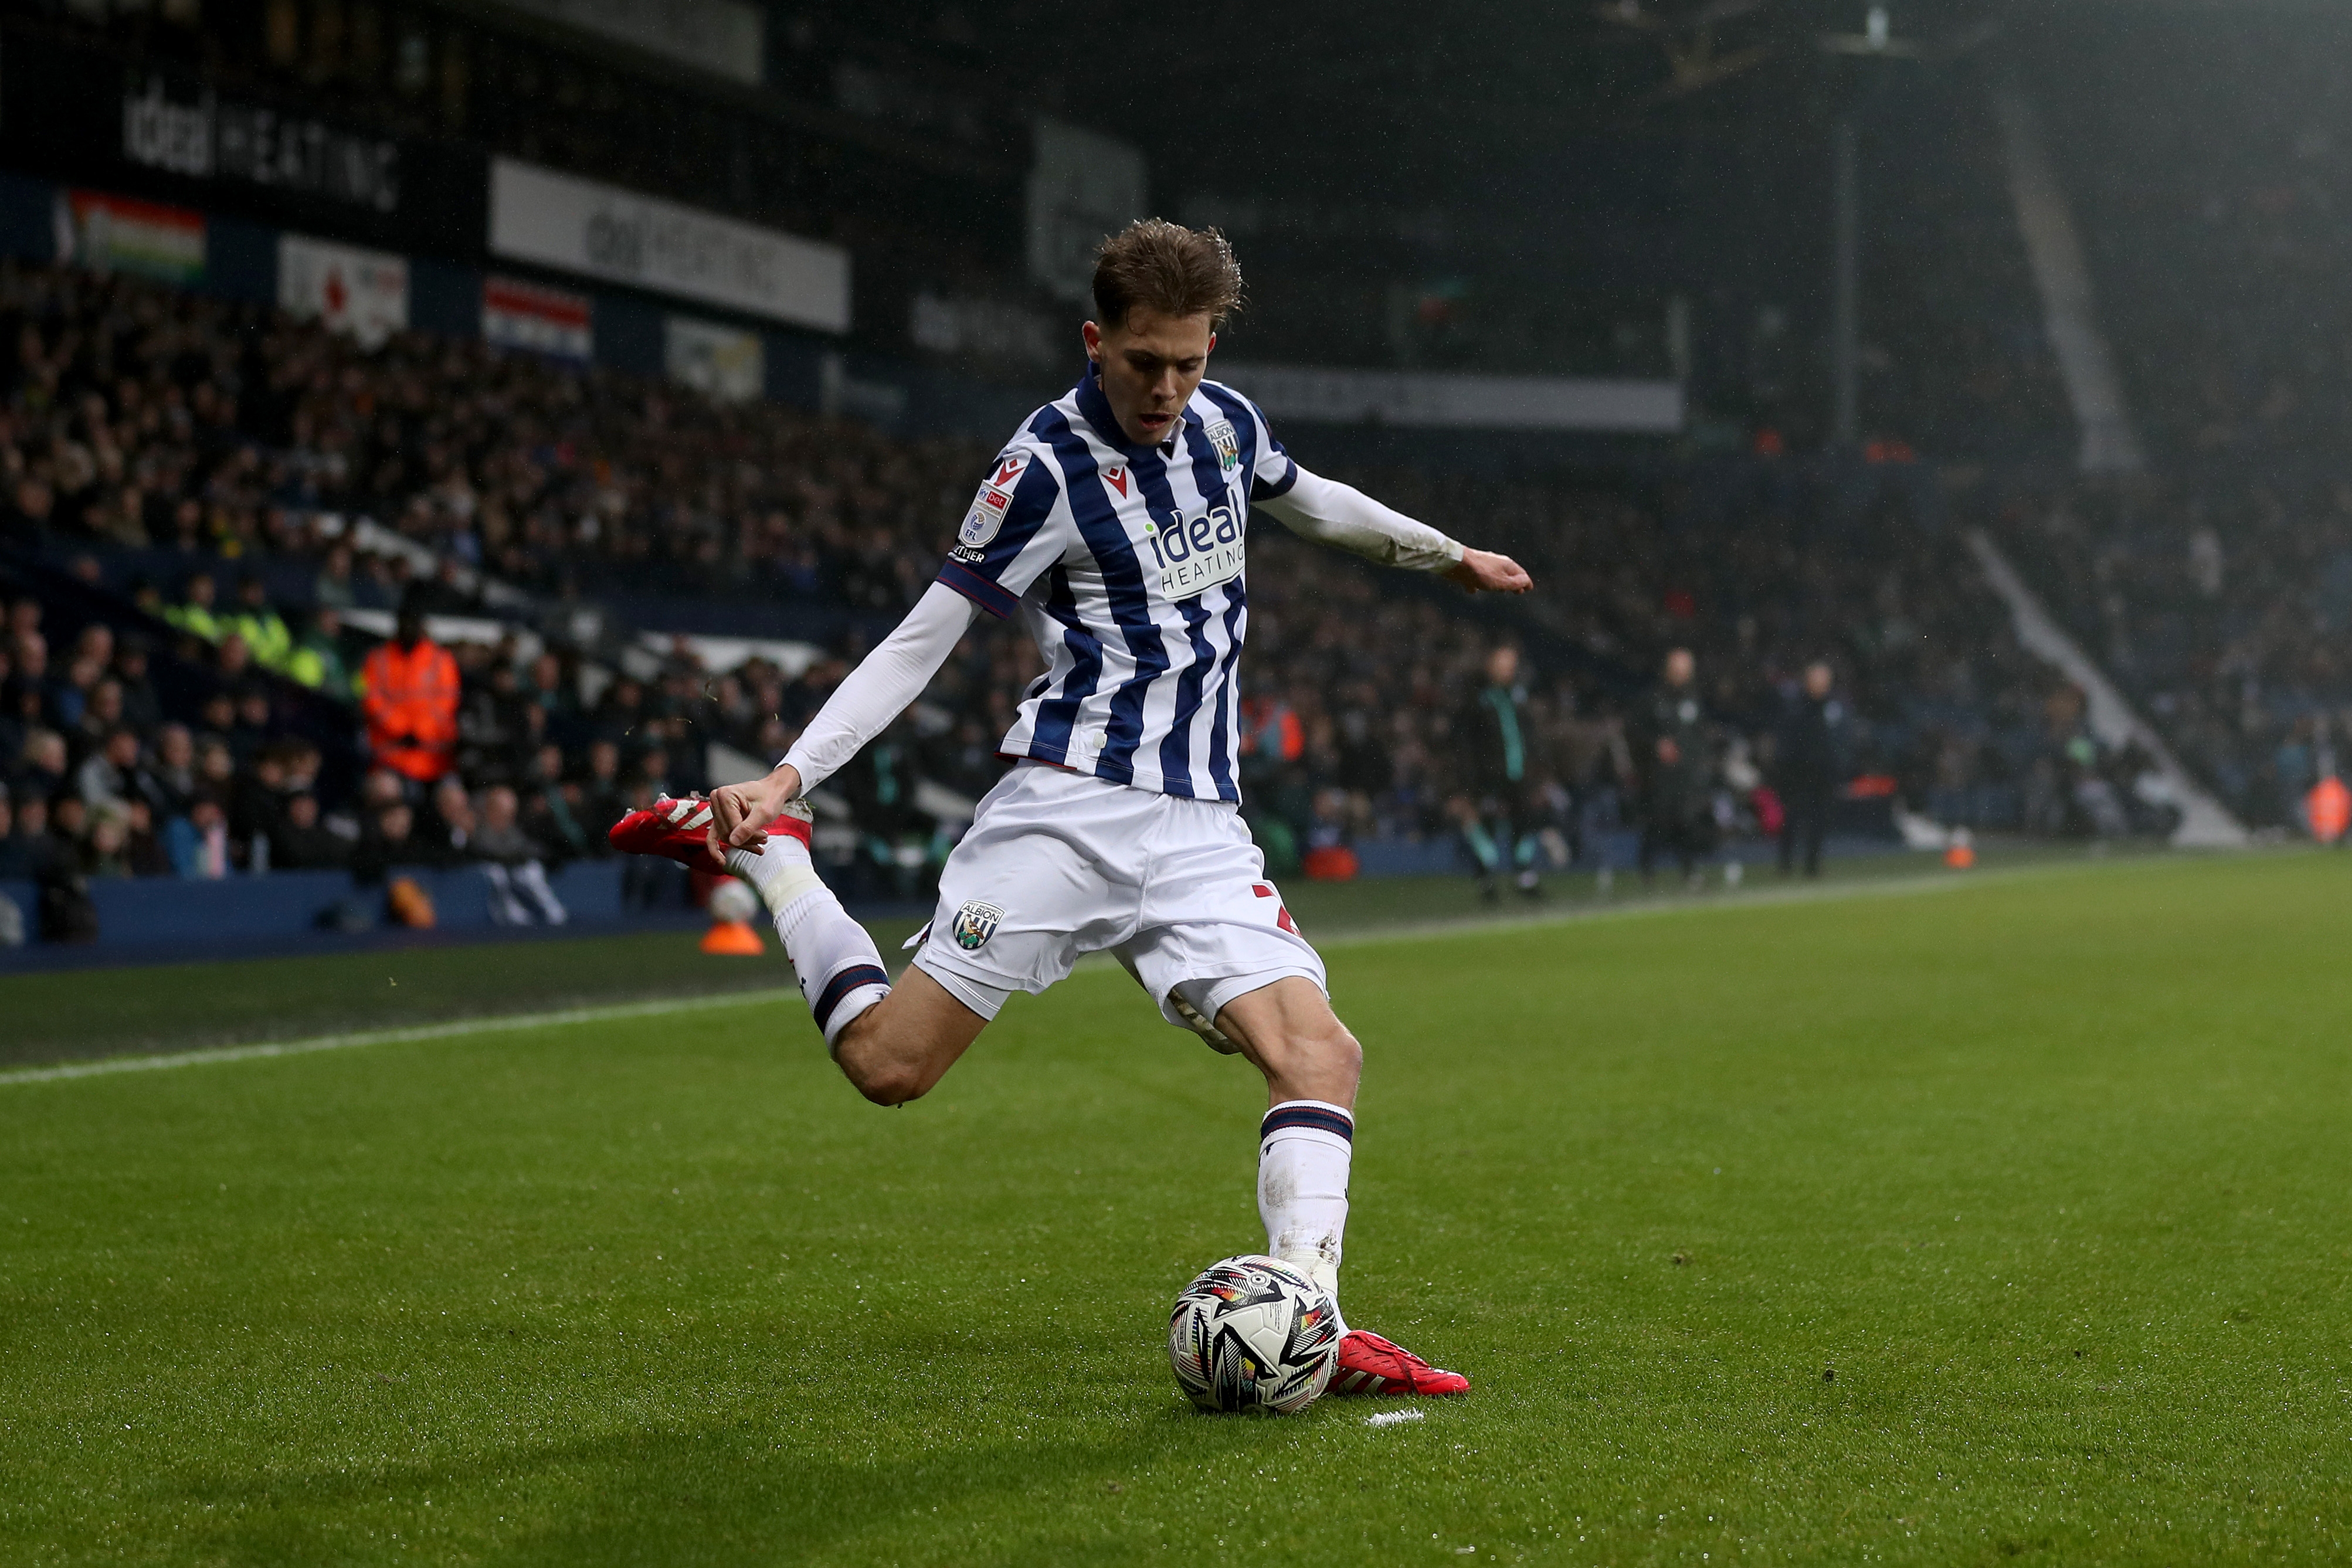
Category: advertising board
[108,233]
[355,290]
[725,363]
[602,231]
[534,317]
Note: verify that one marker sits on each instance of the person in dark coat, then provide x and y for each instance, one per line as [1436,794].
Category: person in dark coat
[1497,766]
[1810,762]
[1670,752]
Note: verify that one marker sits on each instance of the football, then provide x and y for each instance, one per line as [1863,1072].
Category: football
[1254,1333]
[732,900]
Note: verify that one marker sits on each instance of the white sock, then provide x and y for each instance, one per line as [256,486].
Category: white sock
[840,969]
[1302,1187]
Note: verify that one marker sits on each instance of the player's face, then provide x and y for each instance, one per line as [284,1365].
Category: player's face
[1150,364]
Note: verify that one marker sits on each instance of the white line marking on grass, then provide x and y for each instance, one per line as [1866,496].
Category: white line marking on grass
[1391,1417]
[1639,908]
[397,1036]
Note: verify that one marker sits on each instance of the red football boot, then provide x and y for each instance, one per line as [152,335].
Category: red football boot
[678,830]
[1371,1364]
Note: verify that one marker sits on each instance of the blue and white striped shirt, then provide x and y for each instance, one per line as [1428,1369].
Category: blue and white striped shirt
[1127,565]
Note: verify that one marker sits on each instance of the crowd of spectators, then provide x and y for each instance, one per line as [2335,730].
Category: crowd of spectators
[150,417]
[202,462]
[2218,605]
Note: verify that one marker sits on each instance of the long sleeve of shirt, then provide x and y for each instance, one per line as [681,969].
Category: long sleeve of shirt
[1345,518]
[881,687]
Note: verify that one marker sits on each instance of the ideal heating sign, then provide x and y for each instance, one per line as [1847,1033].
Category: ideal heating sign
[1196,553]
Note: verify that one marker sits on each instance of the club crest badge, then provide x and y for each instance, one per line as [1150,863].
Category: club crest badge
[975,923]
[993,500]
[1221,436]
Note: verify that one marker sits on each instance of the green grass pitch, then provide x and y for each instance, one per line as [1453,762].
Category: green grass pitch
[2008,1223]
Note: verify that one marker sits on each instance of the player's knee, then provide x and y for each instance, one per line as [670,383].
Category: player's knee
[1340,1051]
[875,1068]
[884,1079]
[1325,1052]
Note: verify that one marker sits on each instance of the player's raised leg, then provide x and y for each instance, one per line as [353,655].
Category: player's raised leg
[1306,1144]
[893,1044]
[899,1048]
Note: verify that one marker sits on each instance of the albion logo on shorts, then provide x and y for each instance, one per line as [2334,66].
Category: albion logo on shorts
[975,923]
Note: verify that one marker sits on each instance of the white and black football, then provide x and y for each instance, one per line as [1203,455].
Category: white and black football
[1254,1333]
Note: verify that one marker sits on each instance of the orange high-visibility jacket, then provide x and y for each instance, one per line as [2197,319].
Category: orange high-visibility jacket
[411,706]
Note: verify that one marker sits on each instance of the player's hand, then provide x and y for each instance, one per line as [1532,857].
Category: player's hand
[739,813]
[1481,571]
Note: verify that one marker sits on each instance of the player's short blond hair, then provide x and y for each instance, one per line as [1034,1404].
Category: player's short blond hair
[1175,270]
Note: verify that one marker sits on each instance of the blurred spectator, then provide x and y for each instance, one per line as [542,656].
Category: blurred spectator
[387,842]
[106,849]
[1810,768]
[171,780]
[197,843]
[41,766]
[262,628]
[603,798]
[1677,771]
[520,894]
[194,613]
[111,775]
[551,808]
[410,701]
[448,836]
[35,852]
[17,857]
[1497,743]
[143,850]
[317,661]
[300,842]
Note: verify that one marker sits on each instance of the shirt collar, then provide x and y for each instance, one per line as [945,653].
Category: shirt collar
[1093,407]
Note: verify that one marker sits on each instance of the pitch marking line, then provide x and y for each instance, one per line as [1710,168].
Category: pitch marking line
[457,1028]
[1391,1417]
[397,1036]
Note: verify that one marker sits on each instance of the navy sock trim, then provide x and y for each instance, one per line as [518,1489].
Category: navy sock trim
[841,985]
[1313,1116]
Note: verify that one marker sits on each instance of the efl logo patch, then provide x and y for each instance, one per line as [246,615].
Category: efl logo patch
[993,500]
[1221,436]
[975,923]
[986,516]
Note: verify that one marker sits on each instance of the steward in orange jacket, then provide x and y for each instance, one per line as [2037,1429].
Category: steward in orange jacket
[410,700]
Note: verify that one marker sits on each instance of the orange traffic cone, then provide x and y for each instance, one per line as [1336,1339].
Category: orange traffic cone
[1961,853]
[730,935]
[2330,805]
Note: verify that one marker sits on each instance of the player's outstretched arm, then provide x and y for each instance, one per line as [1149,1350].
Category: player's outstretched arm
[1346,518]
[860,707]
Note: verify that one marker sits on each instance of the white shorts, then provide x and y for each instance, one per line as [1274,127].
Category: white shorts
[1059,864]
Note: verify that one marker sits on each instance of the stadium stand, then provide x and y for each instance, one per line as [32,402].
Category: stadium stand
[2209,164]
[194,474]
[2215,601]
